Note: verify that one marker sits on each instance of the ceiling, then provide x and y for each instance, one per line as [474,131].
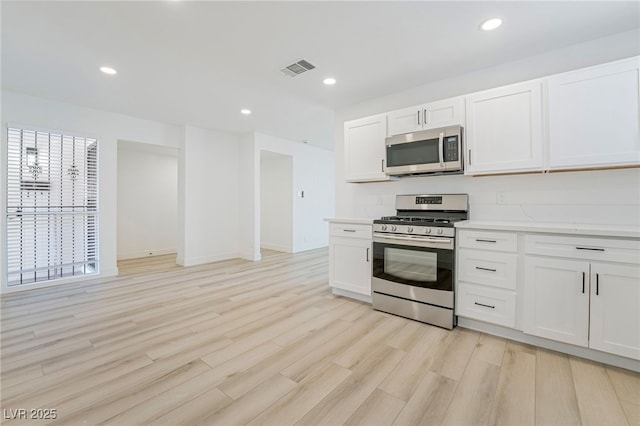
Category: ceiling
[199,63]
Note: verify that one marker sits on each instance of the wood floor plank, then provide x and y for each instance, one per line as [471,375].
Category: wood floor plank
[626,384]
[131,406]
[452,362]
[344,400]
[471,403]
[408,335]
[313,389]
[632,411]
[490,349]
[243,382]
[380,409]
[252,404]
[429,402]
[192,411]
[596,397]
[415,365]
[514,402]
[555,400]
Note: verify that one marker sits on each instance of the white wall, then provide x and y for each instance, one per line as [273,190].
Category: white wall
[210,169]
[276,201]
[147,210]
[313,173]
[571,197]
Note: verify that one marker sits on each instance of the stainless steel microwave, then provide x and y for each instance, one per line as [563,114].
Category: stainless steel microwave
[427,151]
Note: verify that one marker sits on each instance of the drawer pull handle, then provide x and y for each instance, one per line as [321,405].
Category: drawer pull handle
[589,248]
[486,306]
[485,269]
[349,230]
[485,241]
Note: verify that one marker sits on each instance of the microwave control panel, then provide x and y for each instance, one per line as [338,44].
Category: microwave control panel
[450,148]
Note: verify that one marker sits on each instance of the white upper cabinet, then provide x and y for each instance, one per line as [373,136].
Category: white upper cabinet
[448,112]
[364,149]
[504,129]
[593,116]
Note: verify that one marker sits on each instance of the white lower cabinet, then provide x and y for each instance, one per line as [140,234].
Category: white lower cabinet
[486,304]
[556,303]
[486,276]
[350,257]
[615,314]
[583,302]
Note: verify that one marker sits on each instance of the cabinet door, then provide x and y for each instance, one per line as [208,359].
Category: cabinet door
[449,112]
[504,129]
[350,264]
[556,299]
[404,120]
[593,116]
[615,309]
[364,149]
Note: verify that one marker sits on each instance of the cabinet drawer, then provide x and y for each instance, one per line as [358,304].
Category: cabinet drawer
[350,230]
[605,249]
[495,269]
[486,304]
[488,240]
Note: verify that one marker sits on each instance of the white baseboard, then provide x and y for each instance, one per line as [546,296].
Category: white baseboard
[277,247]
[145,253]
[208,259]
[519,336]
[249,255]
[351,295]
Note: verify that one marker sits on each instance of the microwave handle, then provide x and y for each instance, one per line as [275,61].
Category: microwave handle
[441,149]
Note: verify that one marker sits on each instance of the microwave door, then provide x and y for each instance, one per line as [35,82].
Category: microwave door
[414,157]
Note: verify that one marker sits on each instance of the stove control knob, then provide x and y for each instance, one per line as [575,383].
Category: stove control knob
[383,227]
[427,231]
[410,229]
[440,230]
[393,228]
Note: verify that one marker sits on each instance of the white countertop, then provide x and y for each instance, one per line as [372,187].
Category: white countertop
[357,221]
[556,228]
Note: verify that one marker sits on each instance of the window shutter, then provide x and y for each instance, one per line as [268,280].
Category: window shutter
[52,209]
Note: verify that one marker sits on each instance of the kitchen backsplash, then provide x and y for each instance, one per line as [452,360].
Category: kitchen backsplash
[589,197]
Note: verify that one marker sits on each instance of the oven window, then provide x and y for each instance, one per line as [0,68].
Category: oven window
[414,266]
[411,265]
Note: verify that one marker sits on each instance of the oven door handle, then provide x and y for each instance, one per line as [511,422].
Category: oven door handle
[445,243]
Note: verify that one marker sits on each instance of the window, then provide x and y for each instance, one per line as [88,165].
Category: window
[52,213]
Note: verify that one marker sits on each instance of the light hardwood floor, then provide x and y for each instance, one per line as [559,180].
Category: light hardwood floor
[240,342]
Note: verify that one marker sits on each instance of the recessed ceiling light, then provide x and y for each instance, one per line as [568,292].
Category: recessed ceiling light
[108,70]
[329,81]
[245,111]
[491,24]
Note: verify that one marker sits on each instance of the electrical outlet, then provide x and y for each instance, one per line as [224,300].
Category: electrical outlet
[501,198]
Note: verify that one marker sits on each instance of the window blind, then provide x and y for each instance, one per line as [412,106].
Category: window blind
[52,214]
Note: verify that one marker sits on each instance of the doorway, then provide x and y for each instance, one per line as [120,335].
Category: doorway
[147,205]
[276,203]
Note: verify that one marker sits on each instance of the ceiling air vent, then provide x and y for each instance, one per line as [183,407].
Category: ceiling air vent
[297,68]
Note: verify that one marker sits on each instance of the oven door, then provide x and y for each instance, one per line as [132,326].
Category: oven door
[414,268]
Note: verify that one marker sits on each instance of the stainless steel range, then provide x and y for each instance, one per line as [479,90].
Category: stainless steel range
[413,269]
